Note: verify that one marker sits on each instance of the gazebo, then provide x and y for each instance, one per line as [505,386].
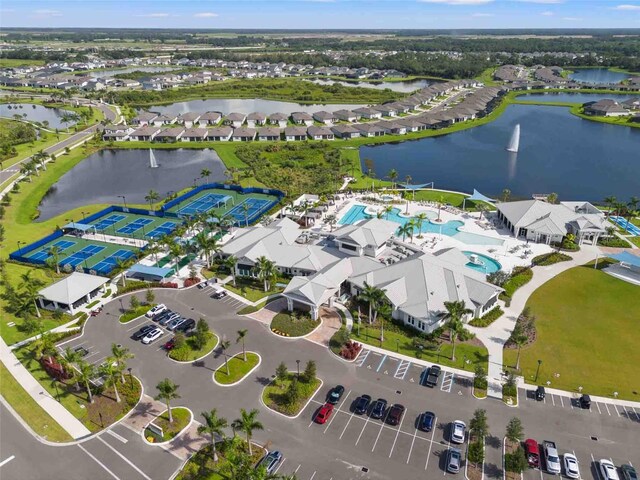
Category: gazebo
[72,292]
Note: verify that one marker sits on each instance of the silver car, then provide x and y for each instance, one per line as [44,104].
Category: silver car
[168,319]
[458,429]
[175,323]
[454,458]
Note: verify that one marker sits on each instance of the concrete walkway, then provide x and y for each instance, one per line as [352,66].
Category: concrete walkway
[71,424]
[496,335]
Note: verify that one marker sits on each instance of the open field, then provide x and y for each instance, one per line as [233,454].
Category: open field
[586,325]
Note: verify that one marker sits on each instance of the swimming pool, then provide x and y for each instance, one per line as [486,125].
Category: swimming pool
[622,222]
[450,228]
[489,265]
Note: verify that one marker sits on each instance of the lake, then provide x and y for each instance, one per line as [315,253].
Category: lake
[110,72]
[573,97]
[578,159]
[105,175]
[249,105]
[598,75]
[36,113]
[404,87]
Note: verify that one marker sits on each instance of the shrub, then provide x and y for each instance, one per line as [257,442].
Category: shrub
[476,452]
[515,462]
[338,340]
[191,281]
[550,258]
[488,318]
[613,242]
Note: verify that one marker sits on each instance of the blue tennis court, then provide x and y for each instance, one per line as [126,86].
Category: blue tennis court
[43,254]
[160,230]
[628,226]
[134,226]
[255,207]
[81,255]
[106,265]
[204,204]
[109,221]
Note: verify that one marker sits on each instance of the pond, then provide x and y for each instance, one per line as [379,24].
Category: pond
[106,175]
[573,97]
[404,87]
[36,113]
[598,75]
[578,159]
[249,105]
[110,72]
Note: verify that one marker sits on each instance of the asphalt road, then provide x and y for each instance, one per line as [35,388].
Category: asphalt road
[348,446]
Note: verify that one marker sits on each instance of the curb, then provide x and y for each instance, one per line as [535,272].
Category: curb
[466,463]
[290,417]
[161,444]
[213,375]
[186,362]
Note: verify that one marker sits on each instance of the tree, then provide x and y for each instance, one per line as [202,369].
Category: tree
[456,310]
[292,395]
[245,209]
[242,335]
[282,372]
[440,203]
[515,431]
[121,355]
[151,198]
[331,220]
[478,423]
[230,263]
[373,296]
[86,372]
[519,338]
[405,230]
[111,371]
[54,253]
[29,294]
[516,462]
[201,334]
[176,250]
[506,193]
[476,452]
[149,296]
[68,358]
[205,173]
[224,346]
[393,176]
[310,372]
[480,377]
[167,391]
[419,221]
[266,270]
[552,198]
[212,426]
[134,303]
[248,423]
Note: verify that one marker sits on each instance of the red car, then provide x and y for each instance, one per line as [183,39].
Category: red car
[324,413]
[532,452]
[170,344]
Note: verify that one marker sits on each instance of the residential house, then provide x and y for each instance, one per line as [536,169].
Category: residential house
[280,119]
[165,119]
[605,108]
[195,134]
[320,133]
[369,129]
[269,134]
[295,133]
[169,135]
[235,119]
[144,118]
[325,117]
[346,115]
[392,127]
[368,113]
[145,133]
[345,131]
[256,119]
[219,134]
[243,134]
[188,119]
[116,133]
[209,118]
[386,110]
[302,118]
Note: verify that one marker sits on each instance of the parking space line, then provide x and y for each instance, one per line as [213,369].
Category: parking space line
[607,407]
[115,435]
[297,468]
[598,405]
[333,417]
[616,408]
[381,428]
[362,357]
[125,459]
[415,433]
[362,431]
[381,362]
[561,401]
[280,465]
[396,439]
[553,400]
[433,433]
[137,324]
[447,382]
[98,462]
[403,368]
[313,475]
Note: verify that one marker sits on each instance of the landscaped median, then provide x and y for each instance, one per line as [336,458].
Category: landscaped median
[189,349]
[134,313]
[288,394]
[236,368]
[293,324]
[162,430]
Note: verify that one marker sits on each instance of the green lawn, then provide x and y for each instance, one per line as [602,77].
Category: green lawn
[33,414]
[202,467]
[252,289]
[238,368]
[181,418]
[18,62]
[293,326]
[273,395]
[188,352]
[133,314]
[586,332]
[399,342]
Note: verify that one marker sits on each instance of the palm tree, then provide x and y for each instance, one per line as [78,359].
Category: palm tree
[387,210]
[86,372]
[374,297]
[456,310]
[153,249]
[230,263]
[506,193]
[205,173]
[30,287]
[67,118]
[632,207]
[111,370]
[619,207]
[176,250]
[481,208]
[266,270]
[245,209]
[224,346]
[69,357]
[609,202]
[440,203]
[247,423]
[412,228]
[121,266]
[420,219]
[54,253]
[167,391]
[212,426]
[121,355]
[152,197]
[242,334]
[405,230]
[519,338]
[393,176]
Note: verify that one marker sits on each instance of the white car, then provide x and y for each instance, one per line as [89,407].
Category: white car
[608,470]
[571,468]
[156,310]
[152,336]
[458,429]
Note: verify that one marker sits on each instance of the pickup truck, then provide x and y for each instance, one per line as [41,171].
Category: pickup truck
[552,459]
[432,376]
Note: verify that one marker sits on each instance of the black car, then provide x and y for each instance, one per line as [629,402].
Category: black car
[162,315]
[335,394]
[426,421]
[143,331]
[585,402]
[395,414]
[379,407]
[362,404]
[628,472]
[540,393]
[185,326]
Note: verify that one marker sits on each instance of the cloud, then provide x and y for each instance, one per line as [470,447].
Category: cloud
[205,15]
[627,7]
[48,13]
[572,19]
[458,2]
[547,14]
[154,15]
[482,15]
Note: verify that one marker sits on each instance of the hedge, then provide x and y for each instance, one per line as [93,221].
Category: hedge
[487,319]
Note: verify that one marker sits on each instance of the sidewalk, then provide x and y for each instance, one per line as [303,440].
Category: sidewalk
[496,335]
[71,424]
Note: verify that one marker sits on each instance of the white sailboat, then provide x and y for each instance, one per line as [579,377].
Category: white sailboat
[514,143]
[152,160]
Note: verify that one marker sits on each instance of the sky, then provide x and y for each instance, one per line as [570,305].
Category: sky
[322,14]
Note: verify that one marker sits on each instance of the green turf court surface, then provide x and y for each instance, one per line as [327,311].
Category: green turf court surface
[220,202]
[131,225]
[89,254]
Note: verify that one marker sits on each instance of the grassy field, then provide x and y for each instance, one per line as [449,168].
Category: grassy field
[18,62]
[33,414]
[273,395]
[238,368]
[586,332]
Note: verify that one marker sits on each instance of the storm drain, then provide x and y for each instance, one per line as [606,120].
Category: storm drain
[365,469]
[399,392]
[595,439]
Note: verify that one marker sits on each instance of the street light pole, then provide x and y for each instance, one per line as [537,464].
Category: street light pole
[124,200]
[130,377]
[298,363]
[538,370]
